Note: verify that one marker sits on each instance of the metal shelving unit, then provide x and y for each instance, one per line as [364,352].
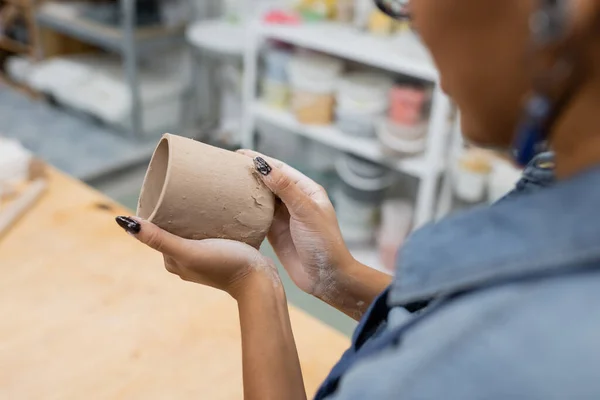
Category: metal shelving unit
[409,59]
[128,41]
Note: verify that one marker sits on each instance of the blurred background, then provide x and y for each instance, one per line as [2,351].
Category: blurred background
[332,87]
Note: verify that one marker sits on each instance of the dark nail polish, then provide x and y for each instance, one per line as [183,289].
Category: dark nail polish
[262,166]
[129,224]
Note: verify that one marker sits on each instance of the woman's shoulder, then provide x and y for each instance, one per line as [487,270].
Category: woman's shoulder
[533,340]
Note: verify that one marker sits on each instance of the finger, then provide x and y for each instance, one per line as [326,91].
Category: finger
[158,239]
[307,185]
[171,264]
[284,187]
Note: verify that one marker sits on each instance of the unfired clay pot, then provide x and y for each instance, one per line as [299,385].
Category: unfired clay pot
[197,191]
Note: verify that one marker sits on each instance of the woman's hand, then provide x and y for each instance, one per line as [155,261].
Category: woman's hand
[307,240]
[305,233]
[223,264]
[269,357]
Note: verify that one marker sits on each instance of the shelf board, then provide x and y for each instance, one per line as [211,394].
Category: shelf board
[13,46]
[68,22]
[402,53]
[219,36]
[333,137]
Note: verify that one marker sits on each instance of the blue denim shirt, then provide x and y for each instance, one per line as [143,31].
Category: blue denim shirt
[514,300]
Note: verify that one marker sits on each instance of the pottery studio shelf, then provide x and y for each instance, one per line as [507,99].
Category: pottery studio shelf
[12,45]
[126,40]
[402,54]
[330,136]
[59,18]
[408,56]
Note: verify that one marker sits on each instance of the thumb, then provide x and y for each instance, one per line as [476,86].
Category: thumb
[283,186]
[152,236]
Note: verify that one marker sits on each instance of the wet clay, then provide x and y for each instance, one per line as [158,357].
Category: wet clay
[197,191]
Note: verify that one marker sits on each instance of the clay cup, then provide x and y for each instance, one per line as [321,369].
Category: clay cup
[197,191]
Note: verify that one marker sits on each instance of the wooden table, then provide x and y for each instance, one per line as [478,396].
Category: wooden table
[87,312]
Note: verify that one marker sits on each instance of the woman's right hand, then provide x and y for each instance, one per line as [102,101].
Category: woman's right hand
[305,233]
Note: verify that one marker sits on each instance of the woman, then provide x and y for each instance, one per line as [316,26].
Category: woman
[496,303]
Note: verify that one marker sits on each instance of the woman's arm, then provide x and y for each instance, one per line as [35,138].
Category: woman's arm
[353,287]
[270,360]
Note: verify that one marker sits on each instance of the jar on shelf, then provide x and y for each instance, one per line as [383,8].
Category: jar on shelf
[345,11]
[471,175]
[313,79]
[397,140]
[361,102]
[316,10]
[362,13]
[358,197]
[277,56]
[275,82]
[407,103]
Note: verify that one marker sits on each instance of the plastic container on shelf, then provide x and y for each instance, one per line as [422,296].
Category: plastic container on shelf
[396,223]
[407,104]
[275,93]
[277,57]
[355,123]
[313,79]
[471,175]
[364,90]
[313,108]
[361,102]
[398,140]
[314,72]
[359,196]
[362,12]
[345,11]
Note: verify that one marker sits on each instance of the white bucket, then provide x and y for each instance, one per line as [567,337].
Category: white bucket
[471,176]
[314,73]
[367,91]
[277,60]
[361,102]
[398,141]
[356,124]
[358,199]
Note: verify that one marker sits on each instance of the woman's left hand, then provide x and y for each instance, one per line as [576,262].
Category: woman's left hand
[223,264]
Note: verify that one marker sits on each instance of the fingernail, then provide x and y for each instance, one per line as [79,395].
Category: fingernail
[130,225]
[262,166]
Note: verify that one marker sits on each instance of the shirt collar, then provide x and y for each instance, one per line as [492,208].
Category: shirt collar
[554,228]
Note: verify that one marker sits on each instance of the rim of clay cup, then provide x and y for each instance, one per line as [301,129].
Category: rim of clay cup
[164,141]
